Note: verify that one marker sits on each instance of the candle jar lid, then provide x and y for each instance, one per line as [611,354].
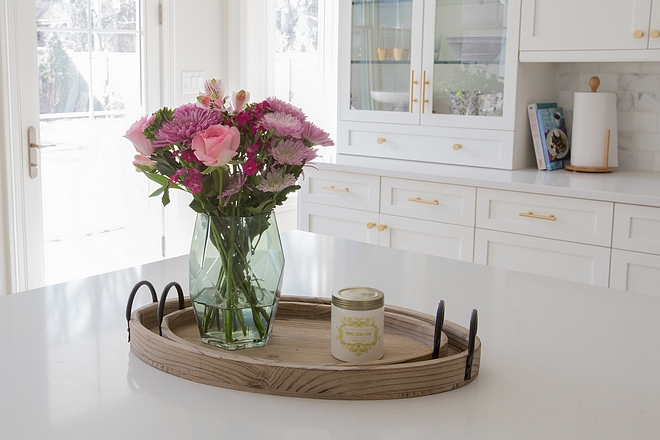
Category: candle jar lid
[358,298]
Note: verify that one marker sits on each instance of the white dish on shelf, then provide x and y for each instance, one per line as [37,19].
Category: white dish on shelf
[476,48]
[389,97]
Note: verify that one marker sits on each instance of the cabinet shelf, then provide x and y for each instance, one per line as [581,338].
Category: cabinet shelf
[407,62]
[380,62]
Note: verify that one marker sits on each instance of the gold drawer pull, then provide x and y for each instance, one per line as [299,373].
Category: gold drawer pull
[332,188]
[371,225]
[381,228]
[638,34]
[655,33]
[428,202]
[457,147]
[542,217]
[381,140]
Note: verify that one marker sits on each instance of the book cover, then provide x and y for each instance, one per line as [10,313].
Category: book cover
[554,137]
[536,134]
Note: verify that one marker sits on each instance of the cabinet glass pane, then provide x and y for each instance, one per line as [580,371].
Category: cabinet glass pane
[380,58]
[469,57]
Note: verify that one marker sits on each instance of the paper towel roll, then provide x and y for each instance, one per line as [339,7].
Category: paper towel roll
[593,115]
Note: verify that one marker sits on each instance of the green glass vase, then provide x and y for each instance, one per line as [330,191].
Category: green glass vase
[236,269]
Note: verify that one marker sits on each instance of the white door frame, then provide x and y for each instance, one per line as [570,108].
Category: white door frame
[16,66]
[16,112]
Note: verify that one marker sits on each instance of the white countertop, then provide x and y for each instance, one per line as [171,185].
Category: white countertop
[560,360]
[623,186]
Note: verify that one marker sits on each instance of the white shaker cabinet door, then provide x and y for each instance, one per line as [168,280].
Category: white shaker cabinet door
[635,272]
[349,224]
[570,25]
[541,256]
[426,237]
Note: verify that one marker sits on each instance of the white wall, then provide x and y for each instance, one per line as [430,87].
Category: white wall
[637,86]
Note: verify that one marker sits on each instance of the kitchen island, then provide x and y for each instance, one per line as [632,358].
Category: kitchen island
[559,359]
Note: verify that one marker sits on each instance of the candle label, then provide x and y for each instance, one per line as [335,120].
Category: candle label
[358,335]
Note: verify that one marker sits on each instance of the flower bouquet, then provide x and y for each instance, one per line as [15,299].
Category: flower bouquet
[239,161]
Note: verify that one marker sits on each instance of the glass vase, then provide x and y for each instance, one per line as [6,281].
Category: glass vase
[236,268]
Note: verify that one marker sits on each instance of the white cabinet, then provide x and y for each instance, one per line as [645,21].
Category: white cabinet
[431,218]
[635,272]
[588,241]
[636,249]
[436,81]
[544,235]
[541,256]
[589,30]
[560,218]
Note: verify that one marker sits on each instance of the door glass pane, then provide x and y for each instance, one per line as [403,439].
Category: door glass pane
[97,213]
[469,57]
[380,59]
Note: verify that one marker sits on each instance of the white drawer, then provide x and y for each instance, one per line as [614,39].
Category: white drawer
[636,228]
[561,218]
[635,272]
[542,256]
[427,200]
[426,237]
[349,224]
[484,148]
[349,190]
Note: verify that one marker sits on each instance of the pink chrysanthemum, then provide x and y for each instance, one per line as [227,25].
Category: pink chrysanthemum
[292,152]
[190,177]
[277,105]
[235,185]
[282,124]
[188,120]
[316,136]
[276,180]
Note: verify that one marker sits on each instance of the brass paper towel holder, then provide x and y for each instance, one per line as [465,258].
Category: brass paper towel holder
[594,82]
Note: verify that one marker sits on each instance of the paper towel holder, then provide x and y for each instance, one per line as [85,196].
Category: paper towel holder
[594,82]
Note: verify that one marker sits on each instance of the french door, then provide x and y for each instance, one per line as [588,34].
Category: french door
[88,69]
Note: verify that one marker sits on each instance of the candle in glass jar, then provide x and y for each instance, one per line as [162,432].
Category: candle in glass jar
[357,324]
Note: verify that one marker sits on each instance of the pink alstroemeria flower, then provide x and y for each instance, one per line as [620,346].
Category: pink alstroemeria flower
[238,101]
[214,98]
[139,159]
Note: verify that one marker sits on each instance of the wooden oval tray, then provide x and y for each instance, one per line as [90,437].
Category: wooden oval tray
[297,361]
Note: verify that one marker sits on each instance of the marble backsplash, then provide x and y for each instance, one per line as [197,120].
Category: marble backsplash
[637,86]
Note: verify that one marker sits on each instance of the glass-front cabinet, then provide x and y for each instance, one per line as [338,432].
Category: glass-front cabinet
[434,57]
[430,63]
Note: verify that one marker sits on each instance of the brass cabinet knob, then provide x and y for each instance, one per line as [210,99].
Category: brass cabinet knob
[638,34]
[380,140]
[457,147]
[381,228]
[655,33]
[371,225]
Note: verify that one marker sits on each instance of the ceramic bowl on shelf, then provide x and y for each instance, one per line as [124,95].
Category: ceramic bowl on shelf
[390,97]
[476,48]
[392,101]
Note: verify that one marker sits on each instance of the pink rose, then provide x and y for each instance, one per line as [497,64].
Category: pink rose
[134,134]
[216,145]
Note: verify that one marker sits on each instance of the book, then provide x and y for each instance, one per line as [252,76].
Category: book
[536,134]
[554,137]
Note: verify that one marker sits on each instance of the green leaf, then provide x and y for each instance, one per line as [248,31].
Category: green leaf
[166,197]
[197,206]
[158,192]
